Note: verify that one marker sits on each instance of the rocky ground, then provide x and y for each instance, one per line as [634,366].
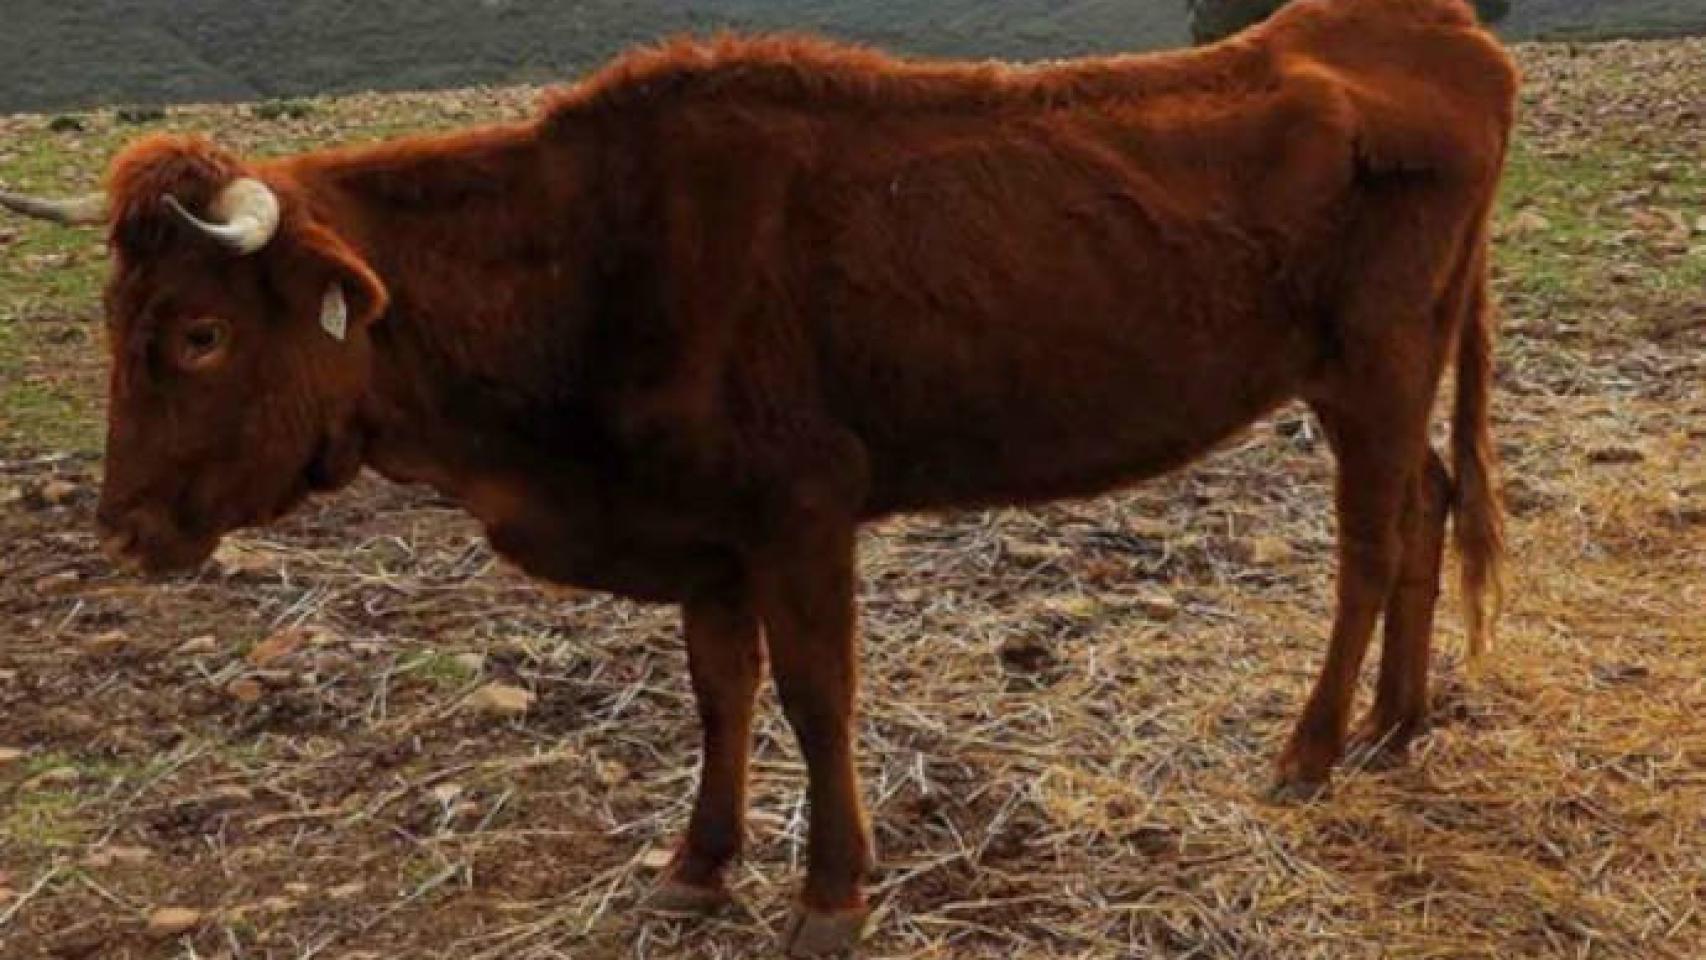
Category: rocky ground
[355,737]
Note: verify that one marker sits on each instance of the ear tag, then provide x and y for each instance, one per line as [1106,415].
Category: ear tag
[334,312]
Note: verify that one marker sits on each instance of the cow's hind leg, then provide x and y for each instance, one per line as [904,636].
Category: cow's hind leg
[1378,435]
[725,655]
[1383,736]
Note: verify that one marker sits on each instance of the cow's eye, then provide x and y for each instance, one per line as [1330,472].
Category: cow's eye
[202,343]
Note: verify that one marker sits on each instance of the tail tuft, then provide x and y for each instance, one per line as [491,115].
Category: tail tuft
[1479,531]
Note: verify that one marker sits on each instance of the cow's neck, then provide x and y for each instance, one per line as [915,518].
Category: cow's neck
[475,236]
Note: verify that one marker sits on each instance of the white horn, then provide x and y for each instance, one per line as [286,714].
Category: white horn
[86,211]
[245,216]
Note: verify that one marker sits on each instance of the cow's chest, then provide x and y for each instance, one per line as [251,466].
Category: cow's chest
[581,535]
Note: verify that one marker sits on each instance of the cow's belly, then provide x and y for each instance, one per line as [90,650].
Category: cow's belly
[1026,424]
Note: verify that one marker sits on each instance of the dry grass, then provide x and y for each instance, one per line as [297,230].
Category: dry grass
[1069,713]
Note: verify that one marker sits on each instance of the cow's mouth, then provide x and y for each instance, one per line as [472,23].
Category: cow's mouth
[151,548]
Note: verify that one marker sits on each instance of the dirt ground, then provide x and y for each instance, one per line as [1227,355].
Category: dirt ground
[1070,714]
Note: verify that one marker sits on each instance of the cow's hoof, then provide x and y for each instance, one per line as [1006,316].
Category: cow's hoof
[677,898]
[1380,746]
[1376,755]
[1289,791]
[821,933]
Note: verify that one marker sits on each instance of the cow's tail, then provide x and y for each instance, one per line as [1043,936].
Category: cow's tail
[1478,529]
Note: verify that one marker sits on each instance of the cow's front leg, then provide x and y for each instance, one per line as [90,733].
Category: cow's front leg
[805,596]
[725,655]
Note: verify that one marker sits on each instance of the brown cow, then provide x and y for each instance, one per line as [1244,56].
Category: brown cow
[724,302]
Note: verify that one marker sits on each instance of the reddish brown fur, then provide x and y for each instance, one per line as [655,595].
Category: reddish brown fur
[725,301]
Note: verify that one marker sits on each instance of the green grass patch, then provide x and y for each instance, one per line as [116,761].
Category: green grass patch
[44,818]
[1603,231]
[439,669]
[50,283]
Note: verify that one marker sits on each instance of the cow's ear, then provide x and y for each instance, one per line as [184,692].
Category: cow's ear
[347,294]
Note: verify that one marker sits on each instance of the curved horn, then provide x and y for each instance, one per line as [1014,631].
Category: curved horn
[246,216]
[86,211]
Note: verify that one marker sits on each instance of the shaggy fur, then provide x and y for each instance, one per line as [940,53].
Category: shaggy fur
[725,301]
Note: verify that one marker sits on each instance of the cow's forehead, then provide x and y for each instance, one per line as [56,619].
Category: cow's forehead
[139,287]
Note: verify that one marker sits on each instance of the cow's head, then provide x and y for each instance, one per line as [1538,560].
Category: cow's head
[237,329]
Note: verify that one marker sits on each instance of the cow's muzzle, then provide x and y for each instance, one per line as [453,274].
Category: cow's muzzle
[142,541]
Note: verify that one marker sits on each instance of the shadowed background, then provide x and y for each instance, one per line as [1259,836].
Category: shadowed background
[68,54]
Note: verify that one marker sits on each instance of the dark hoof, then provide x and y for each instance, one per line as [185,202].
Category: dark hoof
[673,897]
[1375,756]
[821,933]
[1292,792]
[1380,747]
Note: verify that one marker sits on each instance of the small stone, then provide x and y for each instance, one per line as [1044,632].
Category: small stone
[1073,608]
[57,493]
[172,921]
[657,858]
[1264,551]
[611,772]
[109,642]
[228,793]
[56,583]
[1146,529]
[276,647]
[109,855]
[235,560]
[1527,221]
[501,699]
[473,663]
[1155,605]
[245,690]
[1033,554]
[322,637]
[199,646]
